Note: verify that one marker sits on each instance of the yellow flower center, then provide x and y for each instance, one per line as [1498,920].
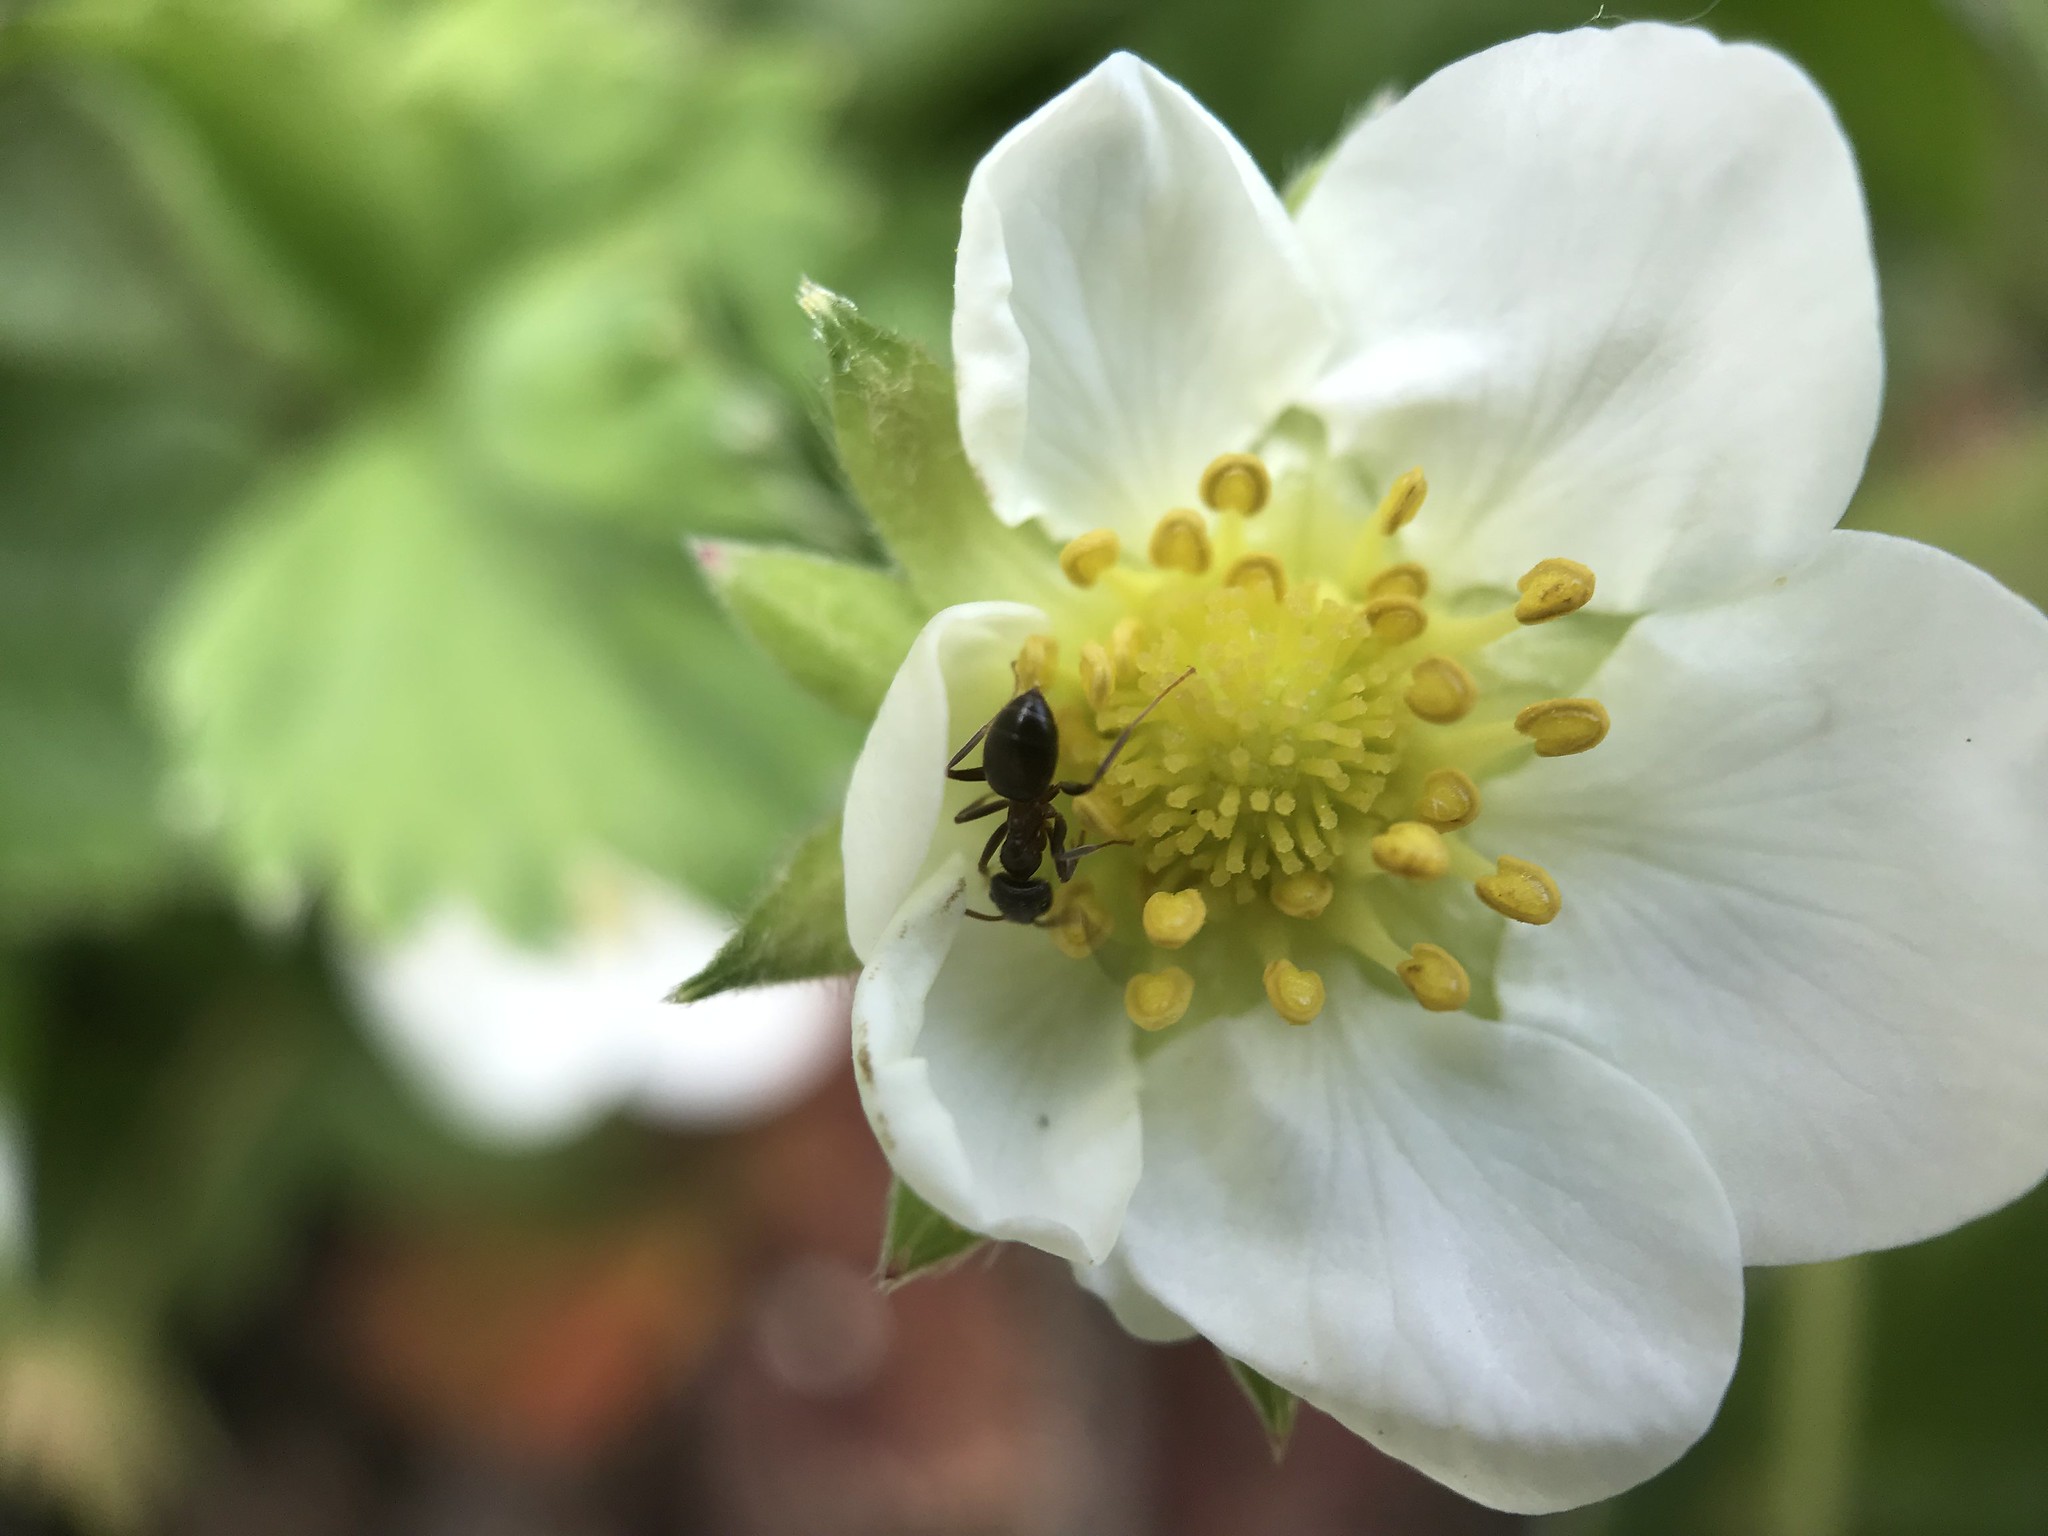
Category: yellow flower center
[1321,759]
[1272,755]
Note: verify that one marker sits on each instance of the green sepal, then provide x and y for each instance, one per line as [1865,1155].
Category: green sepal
[839,630]
[898,430]
[918,1240]
[796,930]
[1275,1405]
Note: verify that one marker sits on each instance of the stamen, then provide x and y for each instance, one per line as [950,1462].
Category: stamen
[1085,558]
[1440,690]
[1561,727]
[1080,923]
[1395,619]
[1521,890]
[1180,542]
[1551,589]
[1126,639]
[1158,999]
[1303,895]
[1403,500]
[1435,978]
[1296,995]
[1037,660]
[1413,850]
[1098,675]
[1174,917]
[1258,569]
[1447,800]
[1404,580]
[1237,482]
[1095,810]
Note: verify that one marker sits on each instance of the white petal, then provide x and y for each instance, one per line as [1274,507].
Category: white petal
[1129,303]
[1806,883]
[1137,1311]
[1613,291]
[998,1075]
[1484,1250]
[898,789]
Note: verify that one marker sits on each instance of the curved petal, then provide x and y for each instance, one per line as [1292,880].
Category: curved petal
[1613,290]
[1806,883]
[998,1075]
[1129,303]
[899,785]
[1137,1311]
[1479,1247]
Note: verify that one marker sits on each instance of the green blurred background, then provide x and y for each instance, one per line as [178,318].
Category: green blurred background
[369,374]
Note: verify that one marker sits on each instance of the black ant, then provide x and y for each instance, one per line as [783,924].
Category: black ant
[1018,764]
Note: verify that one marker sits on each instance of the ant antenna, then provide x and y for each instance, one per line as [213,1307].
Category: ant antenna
[1139,719]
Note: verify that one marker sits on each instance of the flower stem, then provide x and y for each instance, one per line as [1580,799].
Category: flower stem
[1817,1398]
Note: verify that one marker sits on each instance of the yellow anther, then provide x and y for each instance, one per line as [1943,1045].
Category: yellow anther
[1174,917]
[1395,620]
[1436,979]
[1180,542]
[1100,814]
[1552,589]
[1522,891]
[1098,674]
[1081,744]
[1158,999]
[1560,727]
[1402,501]
[1440,690]
[1126,639]
[1036,661]
[1237,482]
[1258,569]
[1414,850]
[1447,800]
[1296,995]
[1404,580]
[1087,557]
[1079,922]
[1303,895]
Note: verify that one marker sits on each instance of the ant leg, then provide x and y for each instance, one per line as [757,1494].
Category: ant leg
[988,805]
[969,775]
[985,917]
[1118,745]
[1064,858]
[988,852]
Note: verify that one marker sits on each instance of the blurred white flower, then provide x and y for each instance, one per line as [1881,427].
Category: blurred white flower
[532,1044]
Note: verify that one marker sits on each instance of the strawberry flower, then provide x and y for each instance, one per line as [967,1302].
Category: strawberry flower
[1572,870]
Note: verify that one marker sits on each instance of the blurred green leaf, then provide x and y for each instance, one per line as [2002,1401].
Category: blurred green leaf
[918,1241]
[587,384]
[795,931]
[380,688]
[105,492]
[1275,1405]
[898,431]
[301,121]
[840,630]
[90,279]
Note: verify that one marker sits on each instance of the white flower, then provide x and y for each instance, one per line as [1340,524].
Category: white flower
[1612,292]
[525,1044]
